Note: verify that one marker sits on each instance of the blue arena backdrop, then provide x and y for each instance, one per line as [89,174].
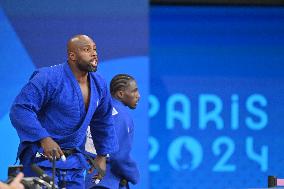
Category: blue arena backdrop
[34,34]
[217,96]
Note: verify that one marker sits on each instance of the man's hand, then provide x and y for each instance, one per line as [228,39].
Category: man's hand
[100,162]
[15,184]
[49,145]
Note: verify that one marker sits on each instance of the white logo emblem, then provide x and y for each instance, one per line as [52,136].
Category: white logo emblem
[114,111]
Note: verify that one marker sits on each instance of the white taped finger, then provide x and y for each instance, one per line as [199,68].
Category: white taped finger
[97,181]
[63,158]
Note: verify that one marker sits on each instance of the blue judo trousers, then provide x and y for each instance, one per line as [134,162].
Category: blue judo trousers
[120,164]
[51,105]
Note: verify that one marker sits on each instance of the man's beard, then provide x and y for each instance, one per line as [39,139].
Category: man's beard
[86,66]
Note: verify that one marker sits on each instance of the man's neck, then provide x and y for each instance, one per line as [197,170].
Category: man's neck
[80,76]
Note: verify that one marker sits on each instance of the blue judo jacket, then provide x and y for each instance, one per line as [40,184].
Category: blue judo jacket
[120,164]
[51,105]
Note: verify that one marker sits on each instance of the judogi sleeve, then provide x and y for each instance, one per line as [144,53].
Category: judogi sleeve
[101,126]
[122,164]
[23,114]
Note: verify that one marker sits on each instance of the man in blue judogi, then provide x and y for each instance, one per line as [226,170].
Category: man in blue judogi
[53,110]
[121,168]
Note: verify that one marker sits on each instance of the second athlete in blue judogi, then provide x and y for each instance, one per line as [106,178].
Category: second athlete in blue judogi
[121,168]
[53,110]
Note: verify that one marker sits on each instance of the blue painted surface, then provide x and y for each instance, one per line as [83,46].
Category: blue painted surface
[15,68]
[217,93]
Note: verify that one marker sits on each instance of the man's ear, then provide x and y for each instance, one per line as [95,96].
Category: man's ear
[120,94]
[72,56]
